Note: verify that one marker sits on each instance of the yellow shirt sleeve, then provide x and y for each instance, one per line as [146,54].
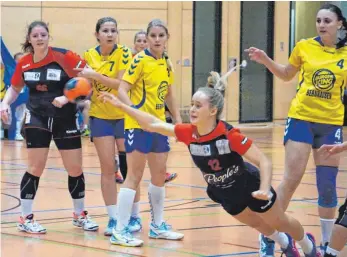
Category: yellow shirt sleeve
[133,72]
[295,58]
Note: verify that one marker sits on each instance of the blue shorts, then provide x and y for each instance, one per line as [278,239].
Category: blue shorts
[315,134]
[145,142]
[103,128]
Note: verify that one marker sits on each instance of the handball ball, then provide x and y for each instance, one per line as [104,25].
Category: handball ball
[77,89]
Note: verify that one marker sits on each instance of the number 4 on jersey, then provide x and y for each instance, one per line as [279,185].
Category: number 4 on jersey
[340,63]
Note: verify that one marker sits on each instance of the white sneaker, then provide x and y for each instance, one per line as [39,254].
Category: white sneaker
[29,225]
[84,221]
[18,137]
[164,231]
[125,238]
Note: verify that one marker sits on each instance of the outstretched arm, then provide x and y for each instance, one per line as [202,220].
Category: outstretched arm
[284,72]
[147,121]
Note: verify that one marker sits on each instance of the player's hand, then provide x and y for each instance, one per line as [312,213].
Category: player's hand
[60,101]
[329,150]
[5,111]
[86,72]
[262,195]
[112,99]
[256,55]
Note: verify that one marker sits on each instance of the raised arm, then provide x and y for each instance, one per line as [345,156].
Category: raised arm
[284,72]
[147,121]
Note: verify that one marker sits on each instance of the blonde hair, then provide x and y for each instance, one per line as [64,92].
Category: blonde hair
[214,90]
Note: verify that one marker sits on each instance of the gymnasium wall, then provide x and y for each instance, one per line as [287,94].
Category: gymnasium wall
[72,26]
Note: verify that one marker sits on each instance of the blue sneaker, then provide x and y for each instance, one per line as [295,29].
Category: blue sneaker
[291,250]
[164,231]
[125,238]
[267,247]
[323,248]
[314,252]
[135,224]
[112,223]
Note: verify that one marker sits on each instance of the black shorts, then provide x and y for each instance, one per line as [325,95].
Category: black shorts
[342,218]
[39,131]
[235,200]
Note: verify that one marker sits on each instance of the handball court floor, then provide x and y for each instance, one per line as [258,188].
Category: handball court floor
[208,230]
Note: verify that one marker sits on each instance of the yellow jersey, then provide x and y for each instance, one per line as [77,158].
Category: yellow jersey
[322,80]
[3,86]
[119,59]
[150,79]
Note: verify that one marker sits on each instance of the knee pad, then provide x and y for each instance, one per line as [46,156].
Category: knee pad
[342,218]
[77,187]
[28,186]
[326,185]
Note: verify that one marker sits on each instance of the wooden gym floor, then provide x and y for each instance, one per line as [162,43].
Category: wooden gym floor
[208,230]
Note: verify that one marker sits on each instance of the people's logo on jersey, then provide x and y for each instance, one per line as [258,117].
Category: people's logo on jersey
[323,80]
[162,90]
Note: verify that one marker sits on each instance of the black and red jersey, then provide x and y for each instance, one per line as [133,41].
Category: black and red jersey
[219,154]
[46,80]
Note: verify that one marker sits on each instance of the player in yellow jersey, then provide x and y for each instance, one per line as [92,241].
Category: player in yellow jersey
[316,113]
[107,63]
[148,81]
[140,44]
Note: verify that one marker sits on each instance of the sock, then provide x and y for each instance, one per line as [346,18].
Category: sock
[123,164]
[156,197]
[112,211]
[332,252]
[77,192]
[280,238]
[306,245]
[126,198]
[327,226]
[135,211]
[28,188]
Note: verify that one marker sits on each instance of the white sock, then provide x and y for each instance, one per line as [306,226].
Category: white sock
[135,211]
[280,238]
[332,251]
[126,198]
[306,244]
[26,206]
[327,226]
[112,211]
[156,197]
[78,205]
